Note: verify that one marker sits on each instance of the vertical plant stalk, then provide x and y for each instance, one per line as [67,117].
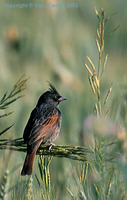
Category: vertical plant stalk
[4,182]
[3,185]
[95,74]
[29,189]
[84,172]
[44,163]
[101,45]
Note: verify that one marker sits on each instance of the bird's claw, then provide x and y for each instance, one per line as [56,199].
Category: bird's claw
[51,144]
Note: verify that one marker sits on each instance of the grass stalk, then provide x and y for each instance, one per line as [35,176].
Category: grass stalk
[67,151]
[95,74]
[29,187]
[43,164]
[3,185]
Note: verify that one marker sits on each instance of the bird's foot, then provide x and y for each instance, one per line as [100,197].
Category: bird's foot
[51,144]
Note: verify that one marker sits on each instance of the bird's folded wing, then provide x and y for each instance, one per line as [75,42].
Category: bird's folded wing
[42,129]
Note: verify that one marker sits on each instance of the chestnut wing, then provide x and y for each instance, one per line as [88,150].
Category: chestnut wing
[43,129]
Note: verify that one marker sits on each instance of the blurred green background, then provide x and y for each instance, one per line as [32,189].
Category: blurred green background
[50,44]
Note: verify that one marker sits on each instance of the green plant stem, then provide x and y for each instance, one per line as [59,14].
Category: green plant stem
[44,163]
[99,101]
[99,65]
[72,152]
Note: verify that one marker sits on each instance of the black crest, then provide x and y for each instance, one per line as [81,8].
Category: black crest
[53,89]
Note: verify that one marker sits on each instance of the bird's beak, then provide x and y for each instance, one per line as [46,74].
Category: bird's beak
[62,98]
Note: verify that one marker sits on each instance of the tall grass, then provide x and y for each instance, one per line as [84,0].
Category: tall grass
[7,99]
[99,168]
[103,174]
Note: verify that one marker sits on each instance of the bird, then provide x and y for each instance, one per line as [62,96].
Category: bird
[43,125]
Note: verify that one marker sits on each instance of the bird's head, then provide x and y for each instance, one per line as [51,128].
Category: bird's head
[52,96]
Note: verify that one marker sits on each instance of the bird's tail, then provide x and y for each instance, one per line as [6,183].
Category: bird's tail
[28,164]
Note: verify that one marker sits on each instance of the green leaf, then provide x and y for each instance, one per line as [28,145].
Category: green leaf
[5,115]
[6,129]
[3,98]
